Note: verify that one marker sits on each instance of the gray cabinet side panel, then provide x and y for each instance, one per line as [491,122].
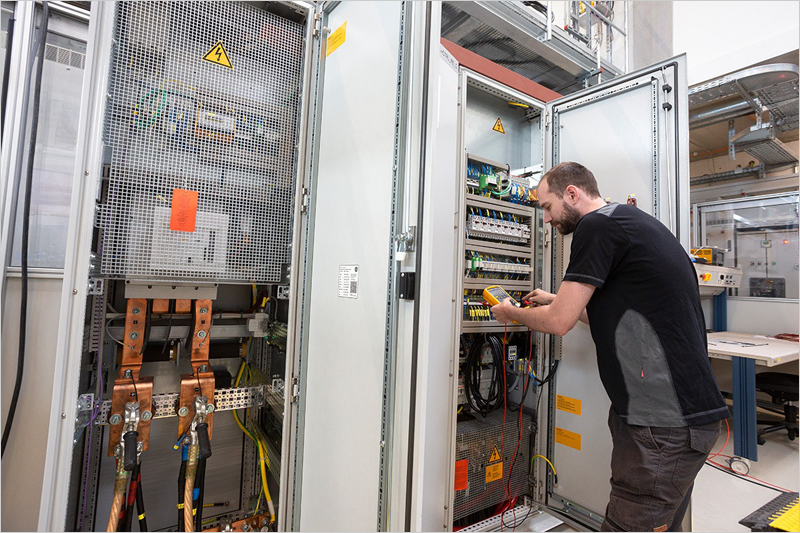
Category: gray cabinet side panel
[353,193]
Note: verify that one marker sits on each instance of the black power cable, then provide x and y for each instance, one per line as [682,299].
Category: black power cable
[473,371]
[140,501]
[26,215]
[127,521]
[712,465]
[200,484]
[181,488]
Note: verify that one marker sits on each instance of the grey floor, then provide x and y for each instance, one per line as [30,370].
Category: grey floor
[720,500]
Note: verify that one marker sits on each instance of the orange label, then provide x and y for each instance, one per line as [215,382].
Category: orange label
[570,405]
[462,474]
[568,438]
[183,216]
[494,472]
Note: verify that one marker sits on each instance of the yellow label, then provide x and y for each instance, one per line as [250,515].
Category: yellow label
[495,455]
[568,438]
[141,516]
[498,126]
[494,472]
[218,56]
[336,39]
[570,405]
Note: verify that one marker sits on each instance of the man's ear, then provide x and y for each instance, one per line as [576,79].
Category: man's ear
[572,192]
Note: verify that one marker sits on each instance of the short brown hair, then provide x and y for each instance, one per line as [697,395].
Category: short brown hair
[569,173]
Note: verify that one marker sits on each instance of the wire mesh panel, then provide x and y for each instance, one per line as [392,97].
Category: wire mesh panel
[202,122]
[484,465]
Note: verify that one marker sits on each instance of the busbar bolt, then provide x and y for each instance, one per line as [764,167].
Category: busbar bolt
[134,335]
[147,415]
[114,420]
[183,411]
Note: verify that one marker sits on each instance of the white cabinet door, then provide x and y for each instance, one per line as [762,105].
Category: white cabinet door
[632,133]
[348,294]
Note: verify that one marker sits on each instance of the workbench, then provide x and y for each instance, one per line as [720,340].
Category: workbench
[746,350]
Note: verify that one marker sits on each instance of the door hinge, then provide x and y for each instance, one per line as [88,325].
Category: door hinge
[546,120]
[295,391]
[304,202]
[406,285]
[317,24]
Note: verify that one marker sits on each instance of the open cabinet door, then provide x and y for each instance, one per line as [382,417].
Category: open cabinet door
[347,300]
[632,133]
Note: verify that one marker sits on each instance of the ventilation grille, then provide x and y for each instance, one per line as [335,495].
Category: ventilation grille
[64,56]
[222,128]
[475,442]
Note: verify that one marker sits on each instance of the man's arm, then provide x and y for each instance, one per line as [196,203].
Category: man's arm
[541,297]
[557,318]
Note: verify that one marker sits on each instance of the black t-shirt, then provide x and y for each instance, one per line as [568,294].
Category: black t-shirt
[646,319]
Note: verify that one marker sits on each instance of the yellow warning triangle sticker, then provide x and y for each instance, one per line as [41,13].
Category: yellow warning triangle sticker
[219,56]
[495,454]
[498,126]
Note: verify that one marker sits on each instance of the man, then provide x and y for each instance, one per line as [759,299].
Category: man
[633,283]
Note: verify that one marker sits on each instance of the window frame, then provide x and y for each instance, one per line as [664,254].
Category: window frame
[701,210]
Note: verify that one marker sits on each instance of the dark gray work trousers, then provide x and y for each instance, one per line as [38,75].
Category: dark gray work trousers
[652,473]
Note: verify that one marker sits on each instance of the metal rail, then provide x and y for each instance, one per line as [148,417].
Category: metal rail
[166,405]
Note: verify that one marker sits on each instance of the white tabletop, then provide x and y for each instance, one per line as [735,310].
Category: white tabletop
[765,350]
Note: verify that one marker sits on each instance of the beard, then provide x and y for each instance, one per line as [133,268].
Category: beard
[569,219]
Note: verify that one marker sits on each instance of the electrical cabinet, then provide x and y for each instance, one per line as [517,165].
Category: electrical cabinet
[295,209]
[631,133]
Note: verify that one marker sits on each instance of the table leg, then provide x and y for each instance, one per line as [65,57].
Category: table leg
[744,408]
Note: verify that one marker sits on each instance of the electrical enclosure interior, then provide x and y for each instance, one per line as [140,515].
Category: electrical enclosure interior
[193,249]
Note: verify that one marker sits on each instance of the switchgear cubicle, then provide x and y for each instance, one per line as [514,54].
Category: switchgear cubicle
[285,215]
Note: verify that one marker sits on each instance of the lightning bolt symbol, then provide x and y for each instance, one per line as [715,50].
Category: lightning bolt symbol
[219,53]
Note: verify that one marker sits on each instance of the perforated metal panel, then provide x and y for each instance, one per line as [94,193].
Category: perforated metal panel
[224,127]
[475,442]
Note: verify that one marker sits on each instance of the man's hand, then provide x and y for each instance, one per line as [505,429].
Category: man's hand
[502,312]
[557,318]
[540,297]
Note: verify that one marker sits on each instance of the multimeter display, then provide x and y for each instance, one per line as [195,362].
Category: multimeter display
[496,294]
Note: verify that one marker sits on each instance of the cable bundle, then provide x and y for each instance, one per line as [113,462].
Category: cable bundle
[473,371]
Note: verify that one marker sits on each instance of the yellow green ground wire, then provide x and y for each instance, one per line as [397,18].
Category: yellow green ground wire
[264,458]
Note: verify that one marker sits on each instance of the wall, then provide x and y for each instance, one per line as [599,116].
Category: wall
[651,33]
[723,37]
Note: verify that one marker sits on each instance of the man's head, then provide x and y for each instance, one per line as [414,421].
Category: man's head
[566,193]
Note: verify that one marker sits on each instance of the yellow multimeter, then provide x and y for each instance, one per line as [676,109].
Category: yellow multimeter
[495,294]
